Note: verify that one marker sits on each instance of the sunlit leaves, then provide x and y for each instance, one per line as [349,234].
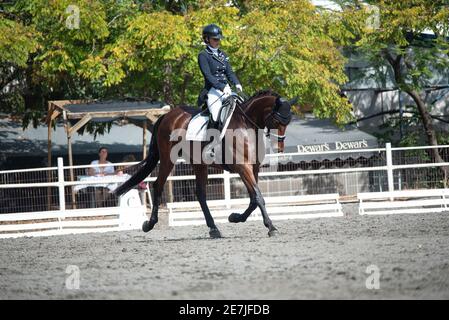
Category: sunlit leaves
[16,42]
[150,48]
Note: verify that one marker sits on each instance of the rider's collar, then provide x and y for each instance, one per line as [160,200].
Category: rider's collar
[219,56]
[213,50]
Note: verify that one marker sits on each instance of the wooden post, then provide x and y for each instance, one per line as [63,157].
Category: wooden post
[70,154]
[49,173]
[72,178]
[49,123]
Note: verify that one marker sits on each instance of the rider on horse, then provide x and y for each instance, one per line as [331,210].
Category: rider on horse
[215,67]
[266,109]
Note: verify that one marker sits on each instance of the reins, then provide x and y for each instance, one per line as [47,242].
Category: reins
[280,138]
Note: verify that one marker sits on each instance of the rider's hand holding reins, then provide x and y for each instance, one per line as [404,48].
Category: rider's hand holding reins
[239,88]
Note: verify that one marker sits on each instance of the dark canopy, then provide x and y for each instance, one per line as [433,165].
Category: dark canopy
[106,111]
[316,135]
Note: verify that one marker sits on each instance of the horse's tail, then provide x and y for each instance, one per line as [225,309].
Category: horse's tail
[145,167]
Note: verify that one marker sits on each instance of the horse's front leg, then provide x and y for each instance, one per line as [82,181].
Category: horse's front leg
[256,200]
[201,180]
[236,217]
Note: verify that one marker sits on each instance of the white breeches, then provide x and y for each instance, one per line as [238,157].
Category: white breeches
[214,101]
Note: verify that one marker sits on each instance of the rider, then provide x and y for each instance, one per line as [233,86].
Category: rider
[215,67]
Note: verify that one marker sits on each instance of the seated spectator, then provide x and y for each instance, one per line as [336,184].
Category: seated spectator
[103,170]
[101,194]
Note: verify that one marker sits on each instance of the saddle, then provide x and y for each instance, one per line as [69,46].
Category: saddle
[226,110]
[198,125]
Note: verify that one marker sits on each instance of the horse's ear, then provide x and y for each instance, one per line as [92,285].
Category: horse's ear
[293,101]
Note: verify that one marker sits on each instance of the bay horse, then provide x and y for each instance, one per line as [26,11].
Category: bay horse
[266,109]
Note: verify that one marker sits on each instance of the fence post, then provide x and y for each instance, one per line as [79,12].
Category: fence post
[227,188]
[389,166]
[61,190]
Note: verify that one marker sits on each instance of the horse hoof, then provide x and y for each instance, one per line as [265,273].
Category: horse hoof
[215,233]
[273,233]
[147,226]
[235,218]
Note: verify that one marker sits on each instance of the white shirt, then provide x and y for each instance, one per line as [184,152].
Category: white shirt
[214,50]
[105,170]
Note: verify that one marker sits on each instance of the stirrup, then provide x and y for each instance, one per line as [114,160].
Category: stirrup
[210,149]
[210,152]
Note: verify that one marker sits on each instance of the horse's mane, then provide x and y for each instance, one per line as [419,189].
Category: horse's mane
[259,94]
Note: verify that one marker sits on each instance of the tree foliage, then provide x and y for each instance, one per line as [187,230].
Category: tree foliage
[150,48]
[17,43]
[397,43]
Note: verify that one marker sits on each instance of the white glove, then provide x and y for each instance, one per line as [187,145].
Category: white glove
[227,91]
[239,88]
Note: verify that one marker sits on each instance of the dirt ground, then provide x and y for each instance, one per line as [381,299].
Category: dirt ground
[323,258]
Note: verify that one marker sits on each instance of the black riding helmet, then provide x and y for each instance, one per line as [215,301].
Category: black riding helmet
[212,31]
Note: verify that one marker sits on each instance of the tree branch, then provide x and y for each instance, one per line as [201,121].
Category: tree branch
[394,111]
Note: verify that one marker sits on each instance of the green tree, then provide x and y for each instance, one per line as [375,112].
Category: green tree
[150,48]
[396,43]
[57,48]
[17,43]
[283,45]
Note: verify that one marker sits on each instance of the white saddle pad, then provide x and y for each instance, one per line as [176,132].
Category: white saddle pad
[197,128]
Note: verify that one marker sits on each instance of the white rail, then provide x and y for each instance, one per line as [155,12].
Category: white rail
[61,183]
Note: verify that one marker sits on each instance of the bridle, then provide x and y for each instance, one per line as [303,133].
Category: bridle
[274,115]
[280,138]
[284,120]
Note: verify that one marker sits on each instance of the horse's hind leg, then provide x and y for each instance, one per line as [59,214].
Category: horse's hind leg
[158,187]
[256,200]
[201,181]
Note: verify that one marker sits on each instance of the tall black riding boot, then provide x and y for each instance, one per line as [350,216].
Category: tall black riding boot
[212,125]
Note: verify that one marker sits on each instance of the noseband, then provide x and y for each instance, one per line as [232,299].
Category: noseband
[275,116]
[280,138]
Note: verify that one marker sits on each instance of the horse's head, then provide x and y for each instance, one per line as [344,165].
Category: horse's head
[267,110]
[278,120]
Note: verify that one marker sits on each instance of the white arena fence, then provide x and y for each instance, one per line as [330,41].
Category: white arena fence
[63,199]
[404,201]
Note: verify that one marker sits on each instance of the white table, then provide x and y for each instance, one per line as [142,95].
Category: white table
[111,182]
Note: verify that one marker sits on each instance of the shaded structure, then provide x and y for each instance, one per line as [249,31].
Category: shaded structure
[78,113]
[310,135]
